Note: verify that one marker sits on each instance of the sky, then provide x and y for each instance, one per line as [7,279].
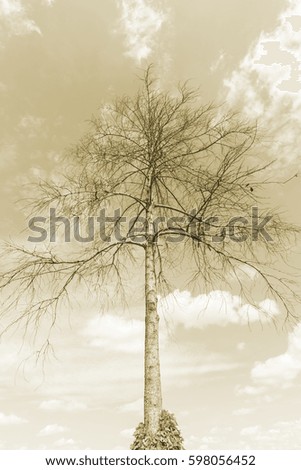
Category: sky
[231,383]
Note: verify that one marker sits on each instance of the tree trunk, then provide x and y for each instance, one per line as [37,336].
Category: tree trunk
[152,379]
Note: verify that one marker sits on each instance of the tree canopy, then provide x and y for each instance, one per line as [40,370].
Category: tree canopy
[161,169]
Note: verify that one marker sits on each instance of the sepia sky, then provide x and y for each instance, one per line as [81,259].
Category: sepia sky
[232,380]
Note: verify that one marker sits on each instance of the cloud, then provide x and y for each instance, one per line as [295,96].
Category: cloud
[134,406]
[282,370]
[181,365]
[62,405]
[243,411]
[250,431]
[287,434]
[128,432]
[198,370]
[10,419]
[275,373]
[267,84]
[216,308]
[48,3]
[51,429]
[249,390]
[115,333]
[119,334]
[216,438]
[279,435]
[8,155]
[65,443]
[257,394]
[141,22]
[32,125]
[218,62]
[14,19]
[8,358]
[245,271]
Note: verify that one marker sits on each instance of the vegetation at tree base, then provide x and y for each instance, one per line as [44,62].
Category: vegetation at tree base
[167,437]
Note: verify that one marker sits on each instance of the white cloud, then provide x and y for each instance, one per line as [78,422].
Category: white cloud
[9,7]
[128,432]
[281,370]
[218,62]
[115,333]
[275,373]
[65,442]
[280,435]
[192,442]
[62,405]
[31,124]
[8,155]
[198,370]
[14,19]
[243,411]
[141,22]
[10,419]
[135,406]
[216,308]
[257,394]
[249,390]
[119,334]
[51,429]
[267,84]
[216,438]
[250,431]
[246,271]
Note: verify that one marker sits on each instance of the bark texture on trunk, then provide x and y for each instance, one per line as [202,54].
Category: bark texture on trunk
[152,379]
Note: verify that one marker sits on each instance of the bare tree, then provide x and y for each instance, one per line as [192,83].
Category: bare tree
[183,180]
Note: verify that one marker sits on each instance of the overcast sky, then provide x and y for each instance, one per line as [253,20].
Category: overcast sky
[229,383]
